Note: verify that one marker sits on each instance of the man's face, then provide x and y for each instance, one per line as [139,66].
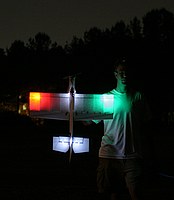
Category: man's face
[121,74]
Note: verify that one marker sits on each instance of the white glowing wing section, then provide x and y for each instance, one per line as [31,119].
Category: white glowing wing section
[80,145]
[61,144]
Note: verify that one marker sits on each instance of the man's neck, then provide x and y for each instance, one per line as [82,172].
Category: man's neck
[121,88]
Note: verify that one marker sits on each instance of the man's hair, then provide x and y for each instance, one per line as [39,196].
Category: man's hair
[121,61]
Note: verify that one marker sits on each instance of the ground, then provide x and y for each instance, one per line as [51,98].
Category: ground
[31,170]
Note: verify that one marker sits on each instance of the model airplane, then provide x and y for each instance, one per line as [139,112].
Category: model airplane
[73,107]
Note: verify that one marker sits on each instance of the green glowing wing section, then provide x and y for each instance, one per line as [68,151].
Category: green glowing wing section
[93,106]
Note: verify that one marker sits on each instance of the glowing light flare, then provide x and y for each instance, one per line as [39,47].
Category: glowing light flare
[40,101]
[34,101]
[122,103]
[44,101]
[106,102]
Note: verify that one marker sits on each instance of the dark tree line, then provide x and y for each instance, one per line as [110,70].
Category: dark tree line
[41,64]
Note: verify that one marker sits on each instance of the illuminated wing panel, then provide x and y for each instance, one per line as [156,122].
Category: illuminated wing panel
[49,105]
[61,144]
[93,106]
[56,106]
[80,145]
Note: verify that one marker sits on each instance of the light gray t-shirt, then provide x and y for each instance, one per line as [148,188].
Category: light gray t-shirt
[123,134]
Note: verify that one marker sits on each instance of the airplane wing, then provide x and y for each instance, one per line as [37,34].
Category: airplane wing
[56,106]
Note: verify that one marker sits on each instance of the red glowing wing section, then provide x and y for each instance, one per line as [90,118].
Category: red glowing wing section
[49,105]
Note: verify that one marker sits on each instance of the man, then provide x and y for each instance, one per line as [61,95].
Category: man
[120,154]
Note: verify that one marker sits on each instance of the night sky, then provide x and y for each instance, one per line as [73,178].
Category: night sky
[63,19]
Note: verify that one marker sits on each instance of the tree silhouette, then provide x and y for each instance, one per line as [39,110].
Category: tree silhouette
[40,63]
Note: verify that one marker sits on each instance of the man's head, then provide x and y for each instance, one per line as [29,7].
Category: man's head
[121,70]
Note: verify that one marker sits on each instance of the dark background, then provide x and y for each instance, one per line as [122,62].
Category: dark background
[30,169]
